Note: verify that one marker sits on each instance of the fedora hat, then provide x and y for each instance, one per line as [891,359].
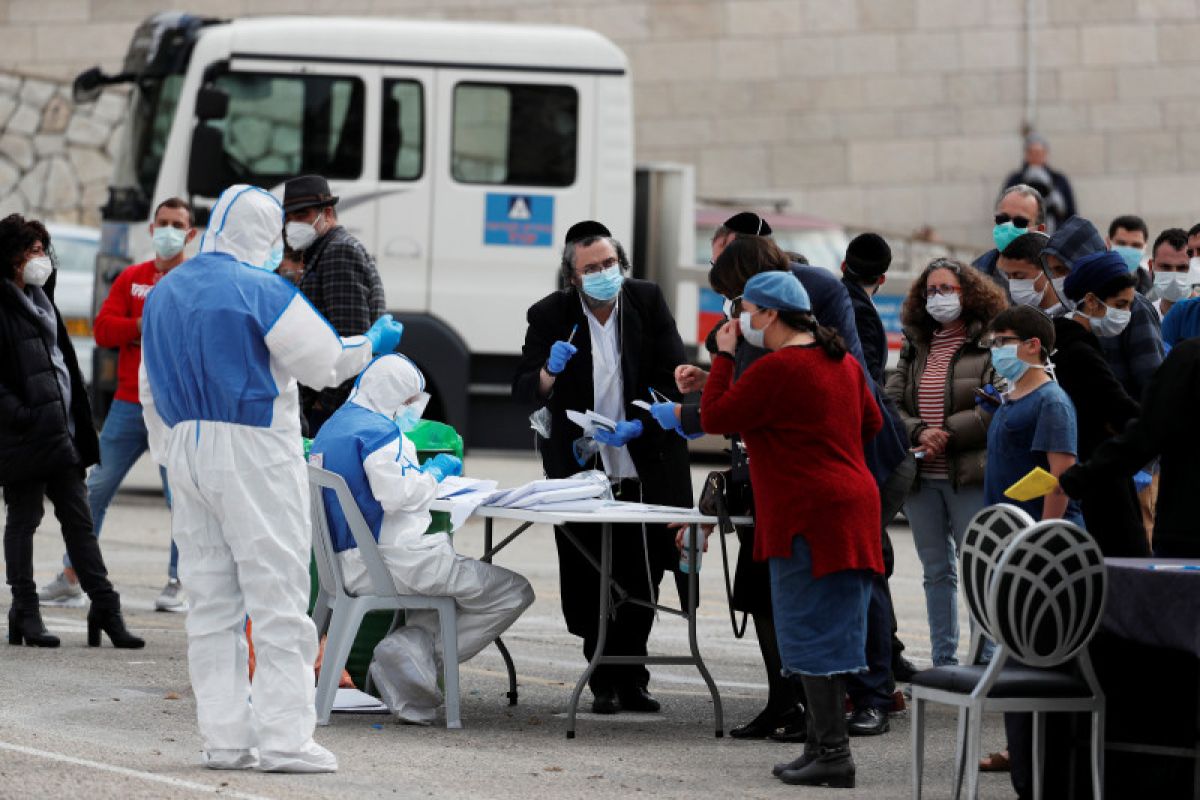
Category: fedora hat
[305,192]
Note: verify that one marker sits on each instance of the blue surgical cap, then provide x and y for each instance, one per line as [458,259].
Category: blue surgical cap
[777,289]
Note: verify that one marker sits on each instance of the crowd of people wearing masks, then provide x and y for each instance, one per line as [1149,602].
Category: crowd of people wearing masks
[1050,351]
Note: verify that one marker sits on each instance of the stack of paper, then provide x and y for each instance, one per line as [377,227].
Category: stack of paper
[590,421]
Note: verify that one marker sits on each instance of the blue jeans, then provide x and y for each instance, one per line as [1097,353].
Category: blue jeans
[122,442]
[939,515]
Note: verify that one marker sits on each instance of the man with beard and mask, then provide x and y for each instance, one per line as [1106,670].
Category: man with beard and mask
[225,342]
[366,442]
[1050,184]
[600,343]
[1019,210]
[1174,277]
[339,278]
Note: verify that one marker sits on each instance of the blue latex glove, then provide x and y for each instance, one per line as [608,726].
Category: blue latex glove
[992,404]
[1142,479]
[664,414]
[442,466]
[560,354]
[384,335]
[689,436]
[625,432]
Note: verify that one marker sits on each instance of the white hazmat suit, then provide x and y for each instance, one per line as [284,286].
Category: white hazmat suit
[362,443]
[224,343]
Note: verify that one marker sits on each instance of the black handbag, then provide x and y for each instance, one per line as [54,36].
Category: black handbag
[715,501]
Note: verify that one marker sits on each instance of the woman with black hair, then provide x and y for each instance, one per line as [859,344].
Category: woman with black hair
[46,440]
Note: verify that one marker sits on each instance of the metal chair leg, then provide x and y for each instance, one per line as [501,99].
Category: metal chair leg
[347,616]
[1098,754]
[918,745]
[974,744]
[1039,754]
[960,751]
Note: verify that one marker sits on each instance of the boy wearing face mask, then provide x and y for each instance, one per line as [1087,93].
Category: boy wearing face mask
[123,439]
[1028,283]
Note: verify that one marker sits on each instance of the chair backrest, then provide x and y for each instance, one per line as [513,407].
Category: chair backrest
[329,570]
[1047,593]
[988,535]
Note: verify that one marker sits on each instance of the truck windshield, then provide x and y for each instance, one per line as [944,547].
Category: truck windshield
[151,111]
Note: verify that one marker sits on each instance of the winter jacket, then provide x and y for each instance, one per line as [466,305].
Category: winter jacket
[966,422]
[35,437]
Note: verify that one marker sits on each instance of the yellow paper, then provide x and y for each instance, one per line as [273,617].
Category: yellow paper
[1037,483]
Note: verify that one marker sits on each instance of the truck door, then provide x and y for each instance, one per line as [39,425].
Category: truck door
[403,209]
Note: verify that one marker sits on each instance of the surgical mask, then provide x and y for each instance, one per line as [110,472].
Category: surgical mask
[1004,234]
[752,335]
[1024,293]
[584,449]
[1173,286]
[1058,284]
[603,285]
[1194,264]
[409,415]
[1132,256]
[1006,362]
[1112,323]
[168,241]
[944,307]
[38,270]
[727,308]
[300,234]
[274,259]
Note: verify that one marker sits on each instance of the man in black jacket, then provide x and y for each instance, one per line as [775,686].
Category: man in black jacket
[863,272]
[598,344]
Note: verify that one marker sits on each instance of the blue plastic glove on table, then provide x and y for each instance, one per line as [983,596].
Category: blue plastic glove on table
[625,432]
[384,335]
[560,354]
[442,466]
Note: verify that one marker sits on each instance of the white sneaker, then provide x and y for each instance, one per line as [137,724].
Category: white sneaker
[229,759]
[172,598]
[61,592]
[308,759]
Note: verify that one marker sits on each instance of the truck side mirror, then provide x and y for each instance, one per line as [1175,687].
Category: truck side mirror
[207,171]
[87,85]
[211,103]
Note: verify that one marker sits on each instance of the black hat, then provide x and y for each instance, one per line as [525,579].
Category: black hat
[305,192]
[748,223]
[868,256]
[587,229]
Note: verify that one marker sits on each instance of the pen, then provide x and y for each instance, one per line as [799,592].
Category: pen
[574,328]
[1183,567]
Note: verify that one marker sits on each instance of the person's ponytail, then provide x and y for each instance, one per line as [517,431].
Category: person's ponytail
[828,339]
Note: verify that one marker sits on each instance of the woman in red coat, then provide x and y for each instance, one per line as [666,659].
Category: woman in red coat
[804,411]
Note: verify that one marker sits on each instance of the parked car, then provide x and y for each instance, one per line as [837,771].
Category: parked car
[75,256]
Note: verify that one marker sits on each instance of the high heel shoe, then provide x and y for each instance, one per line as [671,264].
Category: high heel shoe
[26,626]
[113,624]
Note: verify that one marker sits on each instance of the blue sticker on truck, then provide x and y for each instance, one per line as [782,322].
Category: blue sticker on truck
[519,220]
[888,307]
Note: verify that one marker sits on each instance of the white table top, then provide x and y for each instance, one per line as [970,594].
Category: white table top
[618,512]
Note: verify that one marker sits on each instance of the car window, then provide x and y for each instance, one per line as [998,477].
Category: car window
[74,255]
[515,134]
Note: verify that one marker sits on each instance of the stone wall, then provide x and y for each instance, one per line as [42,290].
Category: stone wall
[889,113]
[55,157]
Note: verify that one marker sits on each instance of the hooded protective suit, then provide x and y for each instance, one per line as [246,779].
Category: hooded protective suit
[363,444]
[224,343]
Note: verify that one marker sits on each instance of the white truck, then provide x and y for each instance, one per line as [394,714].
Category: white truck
[461,152]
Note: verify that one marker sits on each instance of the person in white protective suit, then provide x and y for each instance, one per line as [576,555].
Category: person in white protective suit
[224,343]
[364,442]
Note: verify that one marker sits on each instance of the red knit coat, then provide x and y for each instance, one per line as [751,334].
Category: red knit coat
[804,418]
[116,323]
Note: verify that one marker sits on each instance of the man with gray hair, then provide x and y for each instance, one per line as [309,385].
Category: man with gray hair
[1053,186]
[1019,210]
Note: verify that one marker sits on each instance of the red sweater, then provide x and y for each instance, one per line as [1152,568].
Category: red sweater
[116,324]
[804,418]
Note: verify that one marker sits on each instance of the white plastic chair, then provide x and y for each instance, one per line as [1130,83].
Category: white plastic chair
[339,613]
[1045,597]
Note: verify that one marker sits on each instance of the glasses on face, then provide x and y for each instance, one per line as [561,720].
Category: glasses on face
[942,289]
[1001,341]
[1018,222]
[595,269]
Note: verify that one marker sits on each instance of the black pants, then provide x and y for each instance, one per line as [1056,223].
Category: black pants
[579,583]
[68,494]
[873,688]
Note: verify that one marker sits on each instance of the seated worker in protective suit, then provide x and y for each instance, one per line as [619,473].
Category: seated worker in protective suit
[224,342]
[364,442]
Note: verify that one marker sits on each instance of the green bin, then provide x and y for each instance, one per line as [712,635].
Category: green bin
[430,438]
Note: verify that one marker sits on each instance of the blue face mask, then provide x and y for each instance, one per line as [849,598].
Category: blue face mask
[1006,362]
[407,419]
[604,285]
[1004,234]
[1132,256]
[274,259]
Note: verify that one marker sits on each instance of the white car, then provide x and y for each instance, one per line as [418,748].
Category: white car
[75,249]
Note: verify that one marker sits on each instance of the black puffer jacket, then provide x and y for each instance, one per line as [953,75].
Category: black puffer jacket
[34,437]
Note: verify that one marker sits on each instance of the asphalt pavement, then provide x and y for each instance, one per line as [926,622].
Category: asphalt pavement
[116,723]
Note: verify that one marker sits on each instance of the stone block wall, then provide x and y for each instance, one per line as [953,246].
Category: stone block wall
[887,113]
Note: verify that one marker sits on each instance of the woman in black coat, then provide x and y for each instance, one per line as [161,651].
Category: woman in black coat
[47,440]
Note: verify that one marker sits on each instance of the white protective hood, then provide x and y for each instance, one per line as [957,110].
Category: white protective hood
[387,384]
[246,223]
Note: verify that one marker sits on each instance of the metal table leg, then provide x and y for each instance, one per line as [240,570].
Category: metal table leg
[602,633]
[693,591]
[508,662]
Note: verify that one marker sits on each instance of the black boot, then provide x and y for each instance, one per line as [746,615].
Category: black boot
[112,623]
[811,747]
[25,625]
[832,764]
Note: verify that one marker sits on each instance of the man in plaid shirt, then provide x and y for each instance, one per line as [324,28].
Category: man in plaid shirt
[339,278]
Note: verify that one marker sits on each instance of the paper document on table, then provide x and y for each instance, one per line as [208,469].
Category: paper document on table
[586,490]
[583,504]
[454,485]
[590,421]
[355,702]
[510,497]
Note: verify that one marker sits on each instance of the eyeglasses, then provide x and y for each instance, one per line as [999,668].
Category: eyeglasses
[943,289]
[593,269]
[1001,341]
[1018,222]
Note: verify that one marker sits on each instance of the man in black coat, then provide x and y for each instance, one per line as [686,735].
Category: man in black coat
[863,272]
[600,343]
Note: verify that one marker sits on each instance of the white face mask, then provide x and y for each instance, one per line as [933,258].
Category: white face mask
[944,307]
[727,308]
[1024,291]
[301,234]
[1173,286]
[1194,264]
[752,335]
[38,270]
[1112,323]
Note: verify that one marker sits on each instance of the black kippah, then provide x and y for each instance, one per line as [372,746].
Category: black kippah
[868,255]
[585,230]
[748,223]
